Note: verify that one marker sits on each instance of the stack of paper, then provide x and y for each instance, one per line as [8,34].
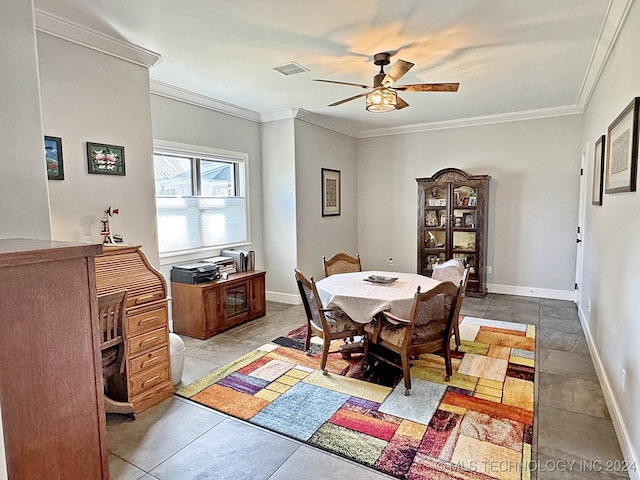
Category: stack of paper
[224,264]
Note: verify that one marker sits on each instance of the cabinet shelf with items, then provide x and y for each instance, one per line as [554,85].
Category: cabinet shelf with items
[452,223]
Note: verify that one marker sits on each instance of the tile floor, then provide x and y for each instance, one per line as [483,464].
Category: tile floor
[181,440]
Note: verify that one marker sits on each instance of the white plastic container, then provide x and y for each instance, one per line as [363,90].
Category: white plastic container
[176,350]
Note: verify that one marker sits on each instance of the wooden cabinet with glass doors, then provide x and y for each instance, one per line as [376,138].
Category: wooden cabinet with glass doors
[452,223]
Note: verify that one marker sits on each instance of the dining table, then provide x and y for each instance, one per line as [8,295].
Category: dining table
[362,299]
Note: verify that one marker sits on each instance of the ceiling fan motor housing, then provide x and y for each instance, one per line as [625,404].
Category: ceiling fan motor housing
[382,59]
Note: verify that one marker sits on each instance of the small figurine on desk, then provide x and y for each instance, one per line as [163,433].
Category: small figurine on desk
[105,231]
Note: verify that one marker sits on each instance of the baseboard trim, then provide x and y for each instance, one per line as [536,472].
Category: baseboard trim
[621,431]
[532,292]
[283,298]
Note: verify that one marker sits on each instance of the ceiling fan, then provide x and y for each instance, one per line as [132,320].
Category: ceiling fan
[383,96]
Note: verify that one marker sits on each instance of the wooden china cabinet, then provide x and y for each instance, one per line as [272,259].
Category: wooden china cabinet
[452,223]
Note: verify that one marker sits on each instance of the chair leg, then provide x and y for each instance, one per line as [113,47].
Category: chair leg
[325,354]
[406,373]
[447,365]
[456,332]
[307,340]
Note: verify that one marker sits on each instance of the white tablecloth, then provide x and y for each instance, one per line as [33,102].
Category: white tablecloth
[362,300]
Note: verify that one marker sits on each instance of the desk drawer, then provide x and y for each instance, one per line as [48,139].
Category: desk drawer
[149,360]
[148,341]
[146,321]
[148,380]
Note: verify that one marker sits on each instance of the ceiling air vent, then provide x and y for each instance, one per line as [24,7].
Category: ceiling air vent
[290,68]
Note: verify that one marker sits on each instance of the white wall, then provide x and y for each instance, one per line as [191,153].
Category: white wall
[533,201]
[317,148]
[611,241]
[24,201]
[279,209]
[24,198]
[95,97]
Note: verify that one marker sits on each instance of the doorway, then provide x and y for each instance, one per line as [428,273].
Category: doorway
[580,228]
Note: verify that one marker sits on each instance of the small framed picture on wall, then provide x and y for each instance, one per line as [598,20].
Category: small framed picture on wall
[53,154]
[105,159]
[330,192]
[598,171]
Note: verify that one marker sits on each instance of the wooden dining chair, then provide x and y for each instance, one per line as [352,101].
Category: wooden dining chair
[399,341]
[112,316]
[455,272]
[341,263]
[327,323]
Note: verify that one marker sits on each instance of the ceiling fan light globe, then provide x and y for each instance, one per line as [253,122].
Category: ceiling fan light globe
[382,100]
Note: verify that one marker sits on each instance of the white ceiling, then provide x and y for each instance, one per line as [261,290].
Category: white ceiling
[508,55]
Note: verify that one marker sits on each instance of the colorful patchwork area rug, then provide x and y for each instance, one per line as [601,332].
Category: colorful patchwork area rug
[479,425]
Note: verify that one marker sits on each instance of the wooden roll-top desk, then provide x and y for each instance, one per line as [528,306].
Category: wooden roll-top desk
[147,379]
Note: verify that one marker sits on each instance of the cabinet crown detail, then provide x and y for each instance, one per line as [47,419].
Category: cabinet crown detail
[452,175]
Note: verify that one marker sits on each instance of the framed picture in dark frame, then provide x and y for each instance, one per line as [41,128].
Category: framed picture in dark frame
[331,192]
[468,220]
[598,170]
[105,159]
[53,154]
[622,150]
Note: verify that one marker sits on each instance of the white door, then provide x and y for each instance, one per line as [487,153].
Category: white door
[580,228]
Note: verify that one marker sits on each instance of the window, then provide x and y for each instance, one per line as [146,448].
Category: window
[200,197]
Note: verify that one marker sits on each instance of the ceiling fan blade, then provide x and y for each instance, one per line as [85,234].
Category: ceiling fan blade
[342,83]
[347,100]
[401,104]
[428,87]
[397,70]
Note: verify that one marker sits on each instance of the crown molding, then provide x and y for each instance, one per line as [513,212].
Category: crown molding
[474,121]
[275,115]
[310,117]
[611,27]
[325,122]
[75,33]
[192,98]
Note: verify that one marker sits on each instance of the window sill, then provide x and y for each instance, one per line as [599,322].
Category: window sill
[173,258]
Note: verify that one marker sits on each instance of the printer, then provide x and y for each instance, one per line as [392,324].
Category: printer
[195,273]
